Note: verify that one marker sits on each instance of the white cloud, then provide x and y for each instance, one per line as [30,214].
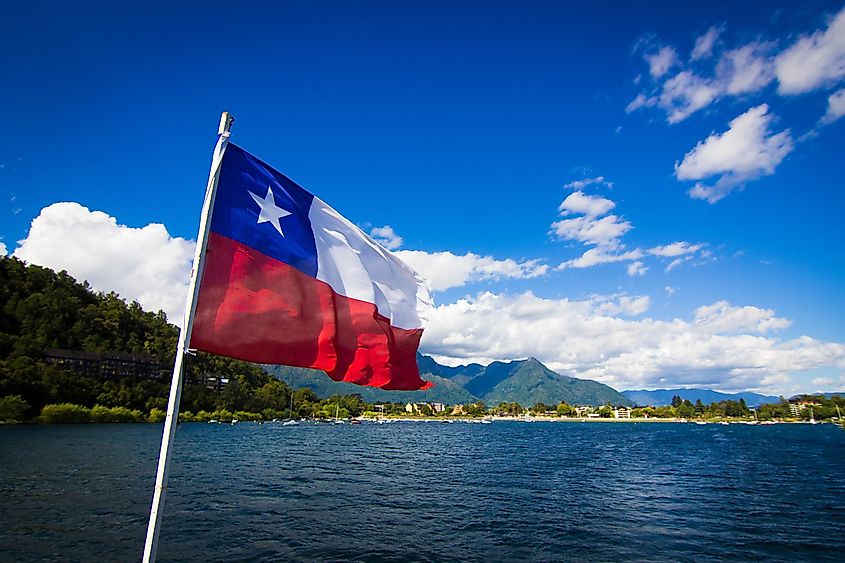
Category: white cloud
[721,347]
[670,290]
[722,317]
[591,206]
[686,93]
[835,106]
[676,262]
[822,383]
[746,151]
[637,269]
[583,183]
[386,237]
[604,234]
[144,264]
[605,231]
[626,305]
[641,101]
[3,250]
[746,69]
[660,62]
[675,249]
[704,44]
[814,60]
[444,270]
[596,256]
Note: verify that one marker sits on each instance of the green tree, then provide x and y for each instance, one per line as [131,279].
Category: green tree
[13,408]
[539,408]
[565,410]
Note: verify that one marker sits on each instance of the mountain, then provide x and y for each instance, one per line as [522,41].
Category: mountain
[458,374]
[522,381]
[444,390]
[661,397]
[528,382]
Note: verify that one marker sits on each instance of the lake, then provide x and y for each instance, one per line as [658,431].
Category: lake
[427,492]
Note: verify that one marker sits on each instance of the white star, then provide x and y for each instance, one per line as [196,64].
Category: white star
[269,210]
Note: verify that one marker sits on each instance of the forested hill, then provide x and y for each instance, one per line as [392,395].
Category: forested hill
[41,310]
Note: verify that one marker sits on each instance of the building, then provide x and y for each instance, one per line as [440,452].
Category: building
[583,411]
[798,407]
[421,408]
[110,365]
[216,382]
[621,412]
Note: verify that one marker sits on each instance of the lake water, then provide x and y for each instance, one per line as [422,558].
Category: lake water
[427,492]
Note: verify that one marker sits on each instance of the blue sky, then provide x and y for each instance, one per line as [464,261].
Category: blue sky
[654,192]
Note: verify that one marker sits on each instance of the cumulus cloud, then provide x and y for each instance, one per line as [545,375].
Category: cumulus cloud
[814,60]
[746,69]
[835,107]
[3,250]
[660,62]
[625,304]
[596,256]
[386,237]
[444,270]
[637,269]
[604,231]
[686,93]
[590,228]
[719,347]
[723,318]
[675,249]
[145,264]
[704,44]
[592,206]
[746,151]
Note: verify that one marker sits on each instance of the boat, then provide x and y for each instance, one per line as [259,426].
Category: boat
[701,422]
[290,421]
[337,416]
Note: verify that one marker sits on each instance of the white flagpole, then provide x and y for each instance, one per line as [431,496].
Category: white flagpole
[151,544]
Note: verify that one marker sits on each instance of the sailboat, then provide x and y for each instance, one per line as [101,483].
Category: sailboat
[290,421]
[337,416]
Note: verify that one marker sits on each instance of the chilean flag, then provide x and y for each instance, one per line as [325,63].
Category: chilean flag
[288,280]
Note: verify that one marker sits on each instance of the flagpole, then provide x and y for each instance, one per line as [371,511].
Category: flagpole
[153,527]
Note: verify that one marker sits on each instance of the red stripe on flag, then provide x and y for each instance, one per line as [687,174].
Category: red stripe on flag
[254,308]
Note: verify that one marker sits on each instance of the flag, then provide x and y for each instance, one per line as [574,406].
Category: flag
[288,280]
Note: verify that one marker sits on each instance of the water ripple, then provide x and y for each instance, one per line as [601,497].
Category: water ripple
[427,492]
